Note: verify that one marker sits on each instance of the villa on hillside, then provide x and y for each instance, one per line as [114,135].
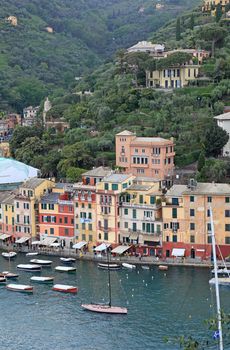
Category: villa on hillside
[210,5]
[147,47]
[223,121]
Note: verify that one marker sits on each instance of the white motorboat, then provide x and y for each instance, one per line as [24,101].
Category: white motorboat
[145,267]
[20,288]
[163,267]
[41,262]
[42,279]
[67,261]
[65,288]
[65,268]
[222,271]
[32,254]
[29,267]
[222,281]
[109,266]
[128,266]
[9,255]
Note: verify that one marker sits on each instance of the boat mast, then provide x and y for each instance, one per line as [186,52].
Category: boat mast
[216,283]
[109,277]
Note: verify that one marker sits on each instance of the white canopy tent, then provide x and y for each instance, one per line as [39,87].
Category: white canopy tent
[79,245]
[48,241]
[120,249]
[178,252]
[101,247]
[4,236]
[22,240]
[36,242]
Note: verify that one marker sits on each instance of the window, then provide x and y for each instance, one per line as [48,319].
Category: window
[83,205]
[209,239]
[99,235]
[89,205]
[175,201]
[192,239]
[227,213]
[209,227]
[126,225]
[52,231]
[126,211]
[90,227]
[227,199]
[174,238]
[208,213]
[65,220]
[209,199]
[167,238]
[60,220]
[192,212]
[227,227]
[17,204]
[6,207]
[192,226]
[134,226]
[90,238]
[106,186]
[134,213]
[152,200]
[44,206]
[83,236]
[174,213]
[72,221]
[51,206]
[166,226]
[114,187]
[106,236]
[76,205]
[141,199]
[192,198]
[83,226]
[227,240]
[66,231]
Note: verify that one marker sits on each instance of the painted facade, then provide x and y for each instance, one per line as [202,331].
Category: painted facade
[145,156]
[223,121]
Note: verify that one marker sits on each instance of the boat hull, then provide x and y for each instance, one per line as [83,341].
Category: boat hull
[129,266]
[65,269]
[163,267]
[41,262]
[9,275]
[10,255]
[105,309]
[65,289]
[43,280]
[110,266]
[19,288]
[29,268]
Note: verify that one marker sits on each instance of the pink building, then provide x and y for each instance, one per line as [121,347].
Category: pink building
[145,156]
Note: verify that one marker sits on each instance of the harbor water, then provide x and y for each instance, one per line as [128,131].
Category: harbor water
[160,304]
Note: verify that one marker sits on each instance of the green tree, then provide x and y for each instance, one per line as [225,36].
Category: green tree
[215,139]
[218,12]
[191,22]
[73,174]
[212,33]
[178,30]
[201,161]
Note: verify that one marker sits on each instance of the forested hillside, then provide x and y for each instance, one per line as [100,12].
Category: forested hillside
[35,62]
[120,101]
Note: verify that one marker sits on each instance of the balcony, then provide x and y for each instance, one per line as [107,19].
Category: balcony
[140,205]
[65,202]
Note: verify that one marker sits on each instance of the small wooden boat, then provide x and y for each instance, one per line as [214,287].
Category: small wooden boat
[2,279]
[128,266]
[163,267]
[106,309]
[9,275]
[145,267]
[65,288]
[9,255]
[67,261]
[20,288]
[41,262]
[29,267]
[32,254]
[109,266]
[42,279]
[65,268]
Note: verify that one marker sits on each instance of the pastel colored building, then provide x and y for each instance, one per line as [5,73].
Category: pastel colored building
[26,206]
[7,221]
[186,219]
[108,193]
[56,217]
[147,47]
[199,54]
[223,121]
[209,5]
[141,221]
[172,77]
[145,156]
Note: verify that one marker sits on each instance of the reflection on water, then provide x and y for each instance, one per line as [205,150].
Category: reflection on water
[159,304]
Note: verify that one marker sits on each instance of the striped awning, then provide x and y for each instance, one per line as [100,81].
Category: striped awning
[4,236]
[120,249]
[79,245]
[22,240]
[48,241]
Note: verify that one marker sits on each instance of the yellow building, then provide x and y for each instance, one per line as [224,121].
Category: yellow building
[7,227]
[141,217]
[26,206]
[186,219]
[209,5]
[173,77]
[107,206]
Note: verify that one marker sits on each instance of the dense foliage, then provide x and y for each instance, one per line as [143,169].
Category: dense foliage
[35,63]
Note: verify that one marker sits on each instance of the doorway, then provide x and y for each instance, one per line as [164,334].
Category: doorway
[193,253]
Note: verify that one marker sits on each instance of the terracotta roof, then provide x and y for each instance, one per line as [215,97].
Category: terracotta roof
[98,172]
[125,133]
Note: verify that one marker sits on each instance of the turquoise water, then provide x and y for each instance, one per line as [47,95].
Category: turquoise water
[159,304]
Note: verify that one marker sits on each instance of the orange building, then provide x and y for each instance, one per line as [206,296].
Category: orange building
[186,219]
[145,156]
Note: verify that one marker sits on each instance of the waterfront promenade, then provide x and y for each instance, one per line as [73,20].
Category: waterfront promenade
[144,260]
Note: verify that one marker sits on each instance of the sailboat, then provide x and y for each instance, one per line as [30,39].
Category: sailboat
[105,308]
[219,323]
